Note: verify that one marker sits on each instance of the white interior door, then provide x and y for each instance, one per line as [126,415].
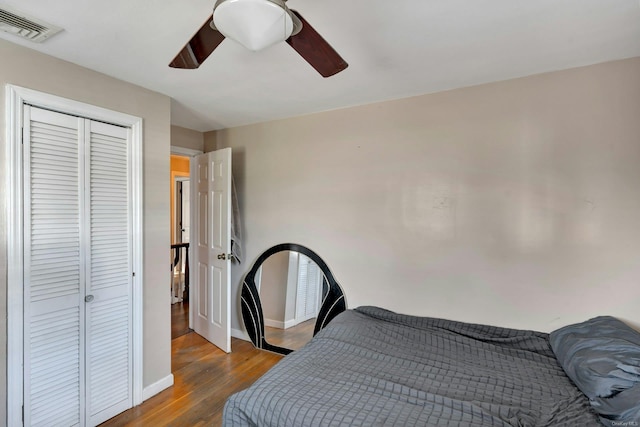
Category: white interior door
[210,297]
[186,210]
[182,209]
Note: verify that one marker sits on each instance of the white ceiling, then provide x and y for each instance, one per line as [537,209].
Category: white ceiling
[395,49]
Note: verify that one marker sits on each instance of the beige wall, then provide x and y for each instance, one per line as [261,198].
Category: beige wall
[210,141]
[515,203]
[187,138]
[273,286]
[27,68]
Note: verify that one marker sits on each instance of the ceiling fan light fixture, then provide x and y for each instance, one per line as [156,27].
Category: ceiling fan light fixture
[255,24]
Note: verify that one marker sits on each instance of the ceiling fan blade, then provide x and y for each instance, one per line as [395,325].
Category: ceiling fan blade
[315,50]
[199,47]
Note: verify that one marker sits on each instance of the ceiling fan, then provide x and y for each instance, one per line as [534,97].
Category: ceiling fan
[257,24]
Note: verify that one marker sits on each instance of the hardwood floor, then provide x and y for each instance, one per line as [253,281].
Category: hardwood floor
[179,319]
[204,376]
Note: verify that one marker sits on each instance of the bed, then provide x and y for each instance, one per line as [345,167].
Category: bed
[373,367]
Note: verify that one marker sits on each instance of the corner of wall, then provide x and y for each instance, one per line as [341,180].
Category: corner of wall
[211,141]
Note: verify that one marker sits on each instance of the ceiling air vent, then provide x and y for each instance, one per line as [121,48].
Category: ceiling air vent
[27,27]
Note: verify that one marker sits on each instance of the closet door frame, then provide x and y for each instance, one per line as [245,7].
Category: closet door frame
[16,98]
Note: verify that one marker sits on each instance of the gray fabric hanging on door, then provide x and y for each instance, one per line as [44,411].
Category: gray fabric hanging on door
[236,225]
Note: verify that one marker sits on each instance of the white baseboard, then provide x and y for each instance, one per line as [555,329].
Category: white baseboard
[274,323]
[240,334]
[157,387]
[279,323]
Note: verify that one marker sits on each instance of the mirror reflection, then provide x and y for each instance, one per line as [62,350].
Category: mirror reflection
[291,288]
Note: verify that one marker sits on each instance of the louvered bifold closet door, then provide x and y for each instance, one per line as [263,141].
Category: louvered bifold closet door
[53,269]
[77,270]
[307,289]
[109,273]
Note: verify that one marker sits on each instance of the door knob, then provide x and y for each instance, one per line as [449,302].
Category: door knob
[222,256]
[88,298]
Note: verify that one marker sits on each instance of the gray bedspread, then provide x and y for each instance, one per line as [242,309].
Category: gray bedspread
[373,367]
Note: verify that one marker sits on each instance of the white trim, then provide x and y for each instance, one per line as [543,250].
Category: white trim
[193,229]
[240,334]
[15,98]
[273,323]
[182,151]
[13,178]
[279,323]
[155,388]
[69,106]
[137,138]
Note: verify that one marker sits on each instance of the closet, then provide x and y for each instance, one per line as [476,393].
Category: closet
[77,248]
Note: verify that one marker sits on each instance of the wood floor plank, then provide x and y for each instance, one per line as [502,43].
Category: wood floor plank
[179,319]
[204,377]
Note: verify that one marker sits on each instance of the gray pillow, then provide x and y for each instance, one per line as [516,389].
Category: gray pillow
[602,358]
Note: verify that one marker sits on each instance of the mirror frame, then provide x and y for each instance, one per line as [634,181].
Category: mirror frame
[332,304]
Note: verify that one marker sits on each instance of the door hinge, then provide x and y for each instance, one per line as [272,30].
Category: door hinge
[22,412]
[133,274]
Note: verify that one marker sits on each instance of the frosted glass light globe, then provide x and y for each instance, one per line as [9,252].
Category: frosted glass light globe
[255,24]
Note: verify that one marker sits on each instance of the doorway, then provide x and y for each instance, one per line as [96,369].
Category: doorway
[180,228]
[182,209]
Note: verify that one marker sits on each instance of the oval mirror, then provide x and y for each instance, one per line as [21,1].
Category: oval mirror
[287,297]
